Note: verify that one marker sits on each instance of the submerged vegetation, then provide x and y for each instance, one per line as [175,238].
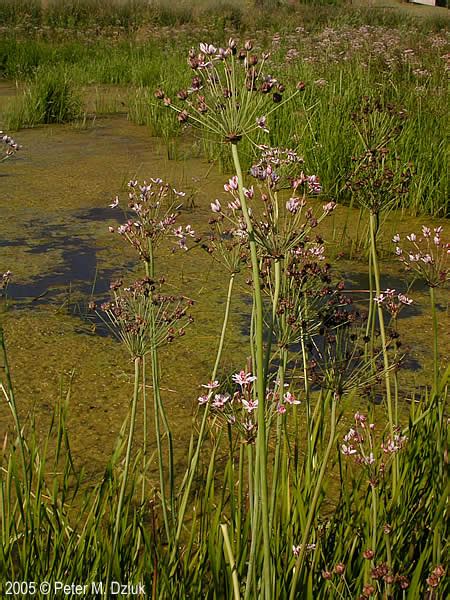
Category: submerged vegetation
[308,474]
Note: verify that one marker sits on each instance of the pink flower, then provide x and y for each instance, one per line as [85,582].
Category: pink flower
[329,207]
[404,299]
[293,205]
[220,400]
[261,123]
[235,205]
[115,202]
[216,207]
[249,405]
[314,184]
[232,184]
[249,193]
[211,385]
[242,378]
[369,460]
[290,398]
[396,238]
[208,49]
[348,450]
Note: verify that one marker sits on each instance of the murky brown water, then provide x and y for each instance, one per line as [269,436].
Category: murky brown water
[54,236]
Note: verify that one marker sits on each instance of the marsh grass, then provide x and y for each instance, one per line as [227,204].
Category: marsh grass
[358,54]
[50,98]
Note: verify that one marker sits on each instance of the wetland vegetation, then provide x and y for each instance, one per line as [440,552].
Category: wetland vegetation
[224,299]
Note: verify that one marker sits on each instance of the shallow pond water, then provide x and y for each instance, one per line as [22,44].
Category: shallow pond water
[54,238]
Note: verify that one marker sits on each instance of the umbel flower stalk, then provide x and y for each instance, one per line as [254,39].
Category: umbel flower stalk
[231,97]
[143,319]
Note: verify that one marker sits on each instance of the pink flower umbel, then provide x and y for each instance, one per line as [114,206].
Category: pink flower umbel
[211,385]
[250,405]
[289,398]
[243,379]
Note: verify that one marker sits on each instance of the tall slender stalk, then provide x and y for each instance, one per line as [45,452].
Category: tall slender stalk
[435,340]
[261,441]
[137,363]
[376,273]
[231,561]
[160,413]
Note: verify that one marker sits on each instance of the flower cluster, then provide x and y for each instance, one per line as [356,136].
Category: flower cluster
[142,318]
[11,145]
[230,95]
[426,254]
[359,443]
[377,179]
[5,279]
[4,282]
[278,230]
[393,301]
[155,209]
[237,407]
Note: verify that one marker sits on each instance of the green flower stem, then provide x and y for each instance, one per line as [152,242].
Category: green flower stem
[376,272]
[250,585]
[389,560]
[190,472]
[370,315]
[160,412]
[137,363]
[308,410]
[436,386]
[261,441]
[231,561]
[144,419]
[279,429]
[374,518]
[241,500]
[435,341]
[312,507]
[275,298]
[157,405]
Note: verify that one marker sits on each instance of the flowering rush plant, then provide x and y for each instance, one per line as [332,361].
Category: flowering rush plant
[359,443]
[426,254]
[238,408]
[279,230]
[231,94]
[154,207]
